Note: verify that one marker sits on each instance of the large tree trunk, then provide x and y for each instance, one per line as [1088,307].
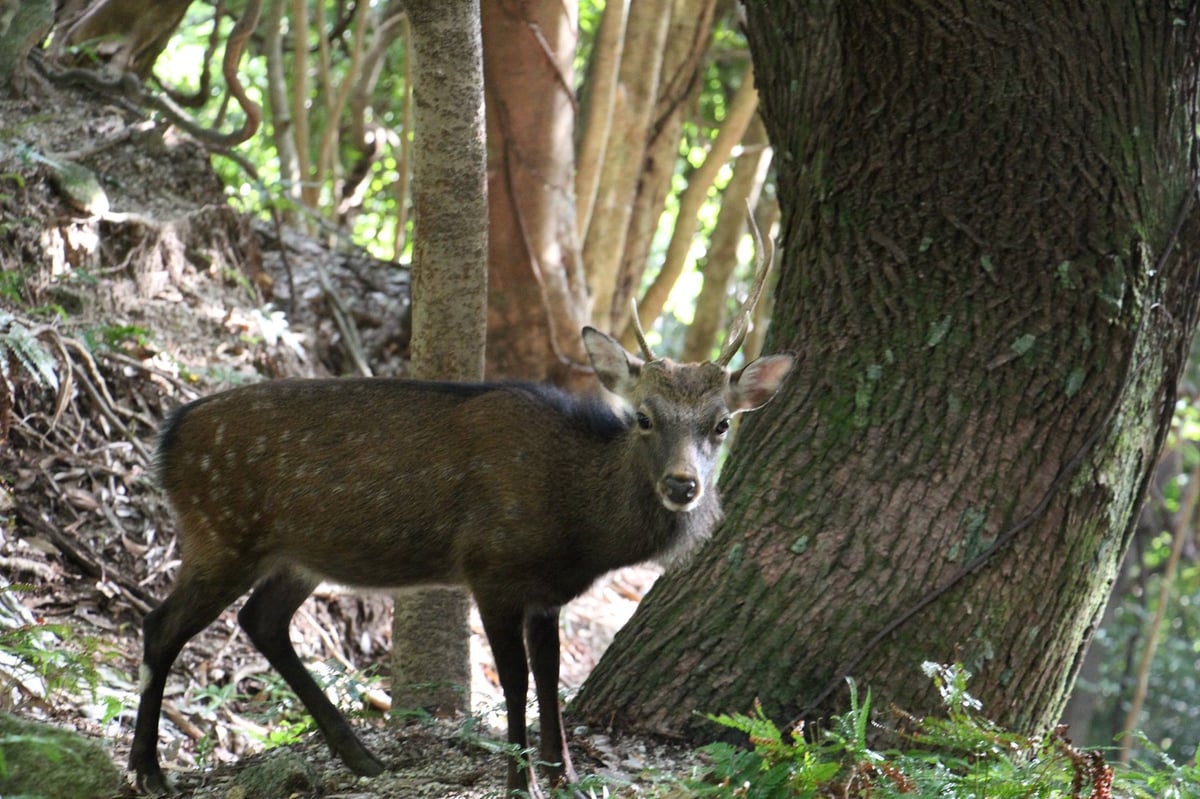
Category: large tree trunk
[431,640]
[989,276]
[537,300]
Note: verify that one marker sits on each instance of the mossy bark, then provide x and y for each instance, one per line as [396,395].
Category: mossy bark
[989,275]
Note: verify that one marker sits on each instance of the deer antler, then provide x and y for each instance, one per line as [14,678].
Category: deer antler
[641,336]
[741,322]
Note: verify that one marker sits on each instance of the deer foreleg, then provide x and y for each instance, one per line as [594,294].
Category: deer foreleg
[541,632]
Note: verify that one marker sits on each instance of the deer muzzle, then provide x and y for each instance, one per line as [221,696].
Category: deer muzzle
[679,492]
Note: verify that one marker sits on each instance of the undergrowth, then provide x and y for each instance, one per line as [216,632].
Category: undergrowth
[41,661]
[959,754]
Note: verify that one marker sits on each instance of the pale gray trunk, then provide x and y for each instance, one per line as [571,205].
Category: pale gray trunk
[449,296]
[280,108]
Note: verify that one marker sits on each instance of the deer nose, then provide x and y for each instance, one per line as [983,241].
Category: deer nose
[680,489]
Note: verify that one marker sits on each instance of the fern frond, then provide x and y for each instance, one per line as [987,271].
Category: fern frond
[17,341]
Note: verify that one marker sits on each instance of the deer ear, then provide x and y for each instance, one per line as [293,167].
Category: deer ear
[754,384]
[617,370]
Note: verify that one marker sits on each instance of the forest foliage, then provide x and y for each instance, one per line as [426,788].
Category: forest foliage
[334,151]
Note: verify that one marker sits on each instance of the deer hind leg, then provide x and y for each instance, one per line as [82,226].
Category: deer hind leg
[194,602]
[541,632]
[265,618]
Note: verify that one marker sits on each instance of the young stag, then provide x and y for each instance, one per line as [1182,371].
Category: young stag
[521,492]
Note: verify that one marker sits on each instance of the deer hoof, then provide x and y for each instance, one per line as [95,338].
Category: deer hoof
[153,782]
[363,763]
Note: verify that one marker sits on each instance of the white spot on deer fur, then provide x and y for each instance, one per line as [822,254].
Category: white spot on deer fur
[205,463]
[219,433]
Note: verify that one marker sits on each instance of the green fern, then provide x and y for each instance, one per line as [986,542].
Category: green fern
[958,753]
[18,344]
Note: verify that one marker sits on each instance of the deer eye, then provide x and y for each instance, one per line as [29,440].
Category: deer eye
[643,421]
[722,427]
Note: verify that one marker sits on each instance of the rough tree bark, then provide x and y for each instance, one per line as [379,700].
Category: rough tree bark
[537,300]
[431,653]
[989,274]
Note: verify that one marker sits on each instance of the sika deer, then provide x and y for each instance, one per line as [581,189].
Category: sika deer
[521,492]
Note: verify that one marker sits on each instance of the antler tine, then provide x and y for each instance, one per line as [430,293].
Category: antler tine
[641,335]
[741,322]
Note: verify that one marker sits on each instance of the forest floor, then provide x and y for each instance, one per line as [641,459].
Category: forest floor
[147,291]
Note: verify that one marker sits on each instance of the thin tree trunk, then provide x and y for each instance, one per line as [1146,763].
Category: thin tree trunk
[326,96]
[1184,520]
[741,111]
[404,150]
[300,95]
[431,653]
[388,29]
[989,278]
[330,136]
[688,39]
[599,107]
[281,111]
[641,66]
[363,135]
[749,171]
